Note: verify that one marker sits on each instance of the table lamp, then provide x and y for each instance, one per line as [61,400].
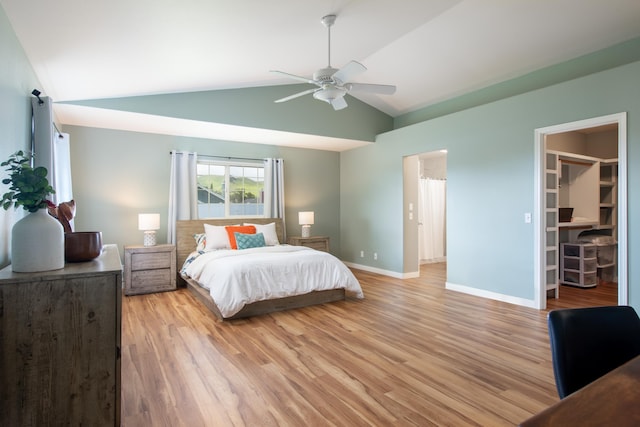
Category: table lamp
[305,219]
[149,223]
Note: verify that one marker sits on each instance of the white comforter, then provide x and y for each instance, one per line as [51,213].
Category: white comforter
[238,277]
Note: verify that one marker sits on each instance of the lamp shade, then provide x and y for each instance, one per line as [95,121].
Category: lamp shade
[149,221]
[305,218]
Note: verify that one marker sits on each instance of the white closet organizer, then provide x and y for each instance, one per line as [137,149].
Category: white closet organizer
[579,265]
[608,199]
[551,222]
[588,185]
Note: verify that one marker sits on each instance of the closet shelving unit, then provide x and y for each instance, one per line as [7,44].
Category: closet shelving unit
[608,191]
[608,215]
[571,180]
[551,222]
[589,185]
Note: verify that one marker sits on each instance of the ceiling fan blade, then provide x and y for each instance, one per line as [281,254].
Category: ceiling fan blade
[295,95]
[350,70]
[339,103]
[293,76]
[371,88]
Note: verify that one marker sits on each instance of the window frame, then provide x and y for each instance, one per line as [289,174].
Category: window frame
[228,165]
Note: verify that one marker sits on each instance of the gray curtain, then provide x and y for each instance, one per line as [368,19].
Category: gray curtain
[183,190]
[274,188]
[51,150]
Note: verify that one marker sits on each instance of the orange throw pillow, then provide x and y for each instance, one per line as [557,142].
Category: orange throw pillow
[244,229]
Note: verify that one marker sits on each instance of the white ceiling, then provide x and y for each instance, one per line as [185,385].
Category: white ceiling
[431,50]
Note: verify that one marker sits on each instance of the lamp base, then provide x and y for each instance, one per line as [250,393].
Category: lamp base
[306,231]
[150,238]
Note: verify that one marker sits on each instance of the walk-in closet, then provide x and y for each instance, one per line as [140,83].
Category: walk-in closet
[581,193]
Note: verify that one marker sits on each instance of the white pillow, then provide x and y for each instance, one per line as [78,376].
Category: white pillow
[217,237]
[268,231]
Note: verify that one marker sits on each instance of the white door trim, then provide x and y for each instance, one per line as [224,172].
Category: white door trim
[540,291]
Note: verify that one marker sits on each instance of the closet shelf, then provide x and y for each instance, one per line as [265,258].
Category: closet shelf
[588,223]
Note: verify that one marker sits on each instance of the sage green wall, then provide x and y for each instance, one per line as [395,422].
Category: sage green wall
[118,174]
[254,107]
[17,80]
[490,181]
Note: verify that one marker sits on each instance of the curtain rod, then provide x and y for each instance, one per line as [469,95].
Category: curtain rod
[227,157]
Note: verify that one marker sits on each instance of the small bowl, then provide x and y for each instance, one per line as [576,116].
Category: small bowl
[80,246]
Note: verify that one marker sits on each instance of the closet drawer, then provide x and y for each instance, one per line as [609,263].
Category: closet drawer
[587,279]
[585,250]
[588,265]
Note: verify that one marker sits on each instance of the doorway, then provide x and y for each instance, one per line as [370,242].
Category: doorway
[432,207]
[589,155]
[424,192]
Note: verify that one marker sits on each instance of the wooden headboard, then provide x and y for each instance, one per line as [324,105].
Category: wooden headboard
[185,229]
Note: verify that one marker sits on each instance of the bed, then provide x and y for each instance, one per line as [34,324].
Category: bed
[326,279]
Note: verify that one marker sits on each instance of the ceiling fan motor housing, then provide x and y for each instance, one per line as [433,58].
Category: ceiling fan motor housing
[325,75]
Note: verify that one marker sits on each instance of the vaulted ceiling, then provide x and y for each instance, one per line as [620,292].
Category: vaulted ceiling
[431,50]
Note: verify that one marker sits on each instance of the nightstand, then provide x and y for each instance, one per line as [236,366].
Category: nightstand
[320,243]
[149,269]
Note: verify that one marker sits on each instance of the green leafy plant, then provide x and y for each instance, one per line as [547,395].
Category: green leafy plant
[29,186]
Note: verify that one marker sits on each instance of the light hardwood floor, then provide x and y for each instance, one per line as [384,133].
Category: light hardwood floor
[410,354]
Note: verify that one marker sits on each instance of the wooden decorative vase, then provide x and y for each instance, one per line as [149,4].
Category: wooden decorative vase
[37,243]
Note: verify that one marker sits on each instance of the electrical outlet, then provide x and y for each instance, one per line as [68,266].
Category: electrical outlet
[375,255]
[361,254]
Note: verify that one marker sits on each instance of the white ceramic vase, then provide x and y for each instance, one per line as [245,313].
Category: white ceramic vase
[37,243]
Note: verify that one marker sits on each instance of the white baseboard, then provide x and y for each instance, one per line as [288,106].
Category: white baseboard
[490,295]
[449,286]
[394,274]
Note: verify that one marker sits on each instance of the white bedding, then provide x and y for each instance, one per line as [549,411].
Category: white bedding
[238,277]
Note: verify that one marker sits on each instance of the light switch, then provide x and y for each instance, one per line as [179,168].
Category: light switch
[527,217]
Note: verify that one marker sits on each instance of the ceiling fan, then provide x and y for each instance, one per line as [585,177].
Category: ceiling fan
[334,84]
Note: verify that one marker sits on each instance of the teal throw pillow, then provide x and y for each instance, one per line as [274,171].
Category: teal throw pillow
[246,241]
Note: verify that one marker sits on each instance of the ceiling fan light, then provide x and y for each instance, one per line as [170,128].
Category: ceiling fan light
[328,94]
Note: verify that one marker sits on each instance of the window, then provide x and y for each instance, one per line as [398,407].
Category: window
[229,189]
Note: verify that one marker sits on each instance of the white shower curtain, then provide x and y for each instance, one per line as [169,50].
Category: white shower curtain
[432,216]
[183,191]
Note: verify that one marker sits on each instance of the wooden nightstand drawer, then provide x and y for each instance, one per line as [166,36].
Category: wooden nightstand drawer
[319,243]
[149,269]
[144,281]
[143,261]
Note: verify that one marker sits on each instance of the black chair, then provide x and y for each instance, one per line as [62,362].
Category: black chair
[586,343]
